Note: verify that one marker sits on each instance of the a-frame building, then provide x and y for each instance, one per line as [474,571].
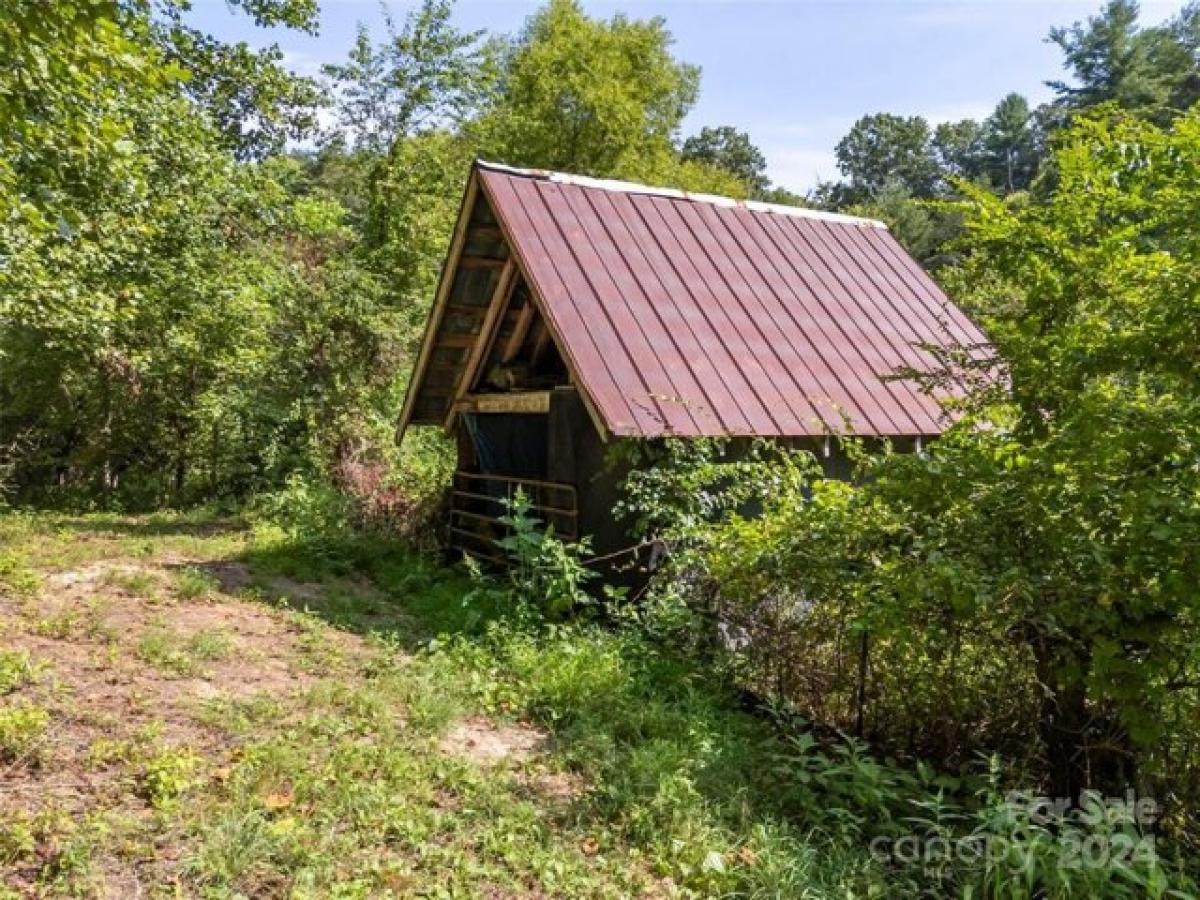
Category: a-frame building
[573,312]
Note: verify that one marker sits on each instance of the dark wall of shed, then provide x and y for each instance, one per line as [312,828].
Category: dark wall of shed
[578,455]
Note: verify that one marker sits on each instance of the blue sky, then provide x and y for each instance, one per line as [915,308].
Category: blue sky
[795,74]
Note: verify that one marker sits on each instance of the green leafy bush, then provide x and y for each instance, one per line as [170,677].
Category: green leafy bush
[168,774]
[17,669]
[1026,585]
[543,570]
[22,728]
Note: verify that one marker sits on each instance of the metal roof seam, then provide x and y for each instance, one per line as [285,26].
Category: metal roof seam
[601,341]
[903,298]
[861,395]
[954,325]
[634,221]
[729,339]
[694,315]
[682,379]
[869,289]
[825,296]
[752,369]
[800,331]
[867,348]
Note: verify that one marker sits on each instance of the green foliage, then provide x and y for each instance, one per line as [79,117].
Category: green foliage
[1152,71]
[252,99]
[727,148]
[925,228]
[1103,417]
[891,163]
[883,148]
[543,570]
[174,324]
[553,111]
[16,577]
[16,670]
[638,764]
[181,655]
[194,584]
[680,773]
[169,774]
[22,729]
[1010,151]
[1096,849]
[187,314]
[426,75]
[306,509]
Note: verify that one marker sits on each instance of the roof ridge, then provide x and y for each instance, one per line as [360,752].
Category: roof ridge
[632,187]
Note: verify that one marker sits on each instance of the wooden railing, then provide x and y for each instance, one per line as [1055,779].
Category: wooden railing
[478,501]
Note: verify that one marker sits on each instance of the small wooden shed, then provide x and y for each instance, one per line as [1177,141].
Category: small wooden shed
[575,312]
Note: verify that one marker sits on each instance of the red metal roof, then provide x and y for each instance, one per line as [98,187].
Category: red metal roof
[692,315]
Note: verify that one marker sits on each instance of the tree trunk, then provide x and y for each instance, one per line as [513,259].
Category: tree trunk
[861,698]
[1065,721]
[1085,749]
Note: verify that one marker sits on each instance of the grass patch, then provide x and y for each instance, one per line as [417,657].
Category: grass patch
[182,655]
[340,783]
[134,582]
[58,625]
[22,727]
[17,669]
[169,774]
[17,577]
[195,584]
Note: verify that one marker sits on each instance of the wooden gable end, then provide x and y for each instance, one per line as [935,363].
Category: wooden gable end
[487,344]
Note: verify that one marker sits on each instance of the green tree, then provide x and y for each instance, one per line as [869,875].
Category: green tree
[427,74]
[1056,525]
[173,323]
[1152,71]
[1010,145]
[1185,29]
[959,148]
[591,96]
[883,148]
[253,99]
[1078,509]
[727,148]
[923,228]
